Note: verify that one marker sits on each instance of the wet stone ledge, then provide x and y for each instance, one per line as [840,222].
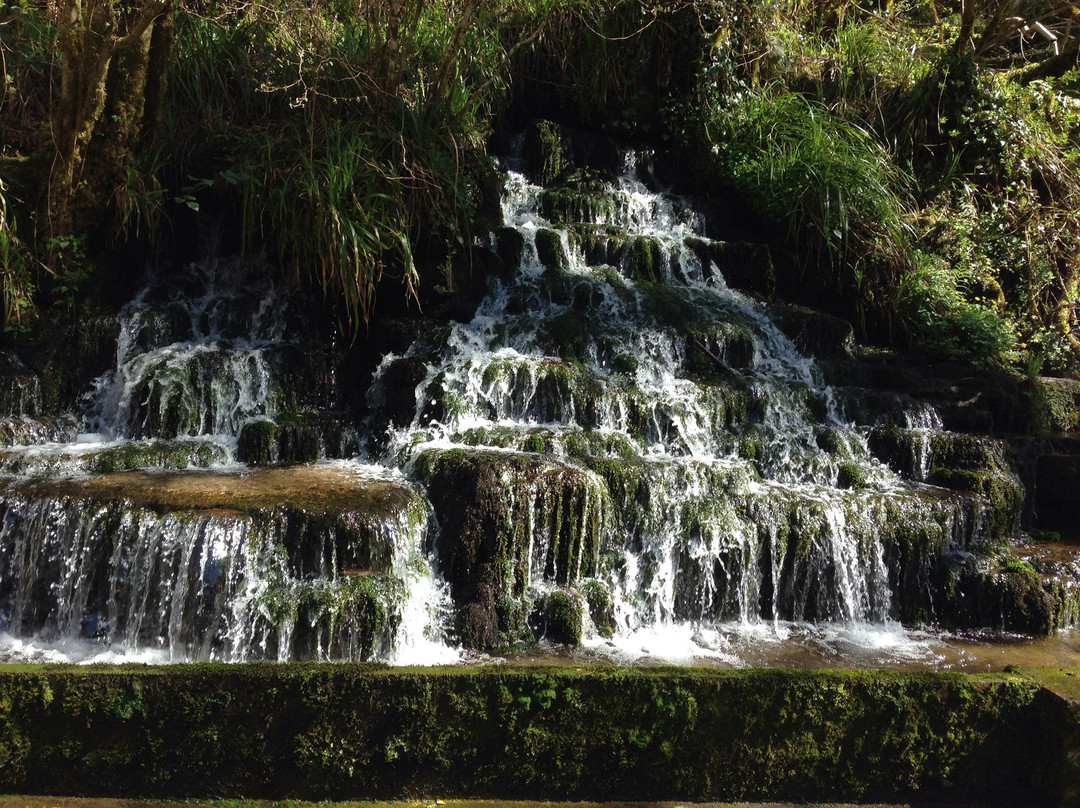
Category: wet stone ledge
[364,732]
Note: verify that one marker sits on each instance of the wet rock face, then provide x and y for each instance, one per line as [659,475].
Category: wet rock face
[506,521]
[617,415]
[608,436]
[283,564]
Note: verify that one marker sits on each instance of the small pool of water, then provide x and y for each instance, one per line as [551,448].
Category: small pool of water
[816,646]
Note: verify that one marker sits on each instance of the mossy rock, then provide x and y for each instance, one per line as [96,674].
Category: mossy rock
[1061,399]
[1010,597]
[547,152]
[599,244]
[123,456]
[257,444]
[851,476]
[549,249]
[506,518]
[601,606]
[589,201]
[644,259]
[743,265]
[557,617]
[24,431]
[831,441]
[559,733]
[1002,494]
[510,245]
[720,349]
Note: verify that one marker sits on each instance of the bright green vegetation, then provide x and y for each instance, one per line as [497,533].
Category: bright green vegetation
[916,168]
[362,731]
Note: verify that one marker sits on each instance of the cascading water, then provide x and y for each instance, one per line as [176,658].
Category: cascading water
[617,450]
[322,561]
[616,349]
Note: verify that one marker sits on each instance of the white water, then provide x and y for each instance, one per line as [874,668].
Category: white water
[698,567]
[202,351]
[731,472]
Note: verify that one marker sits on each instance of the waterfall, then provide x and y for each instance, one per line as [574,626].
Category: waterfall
[613,347]
[618,450]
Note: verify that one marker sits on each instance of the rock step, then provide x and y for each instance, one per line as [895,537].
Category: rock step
[305,562]
[516,525]
[80,458]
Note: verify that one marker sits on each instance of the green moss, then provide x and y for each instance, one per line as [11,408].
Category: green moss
[557,617]
[851,475]
[535,442]
[830,440]
[257,444]
[1002,495]
[1018,566]
[1061,401]
[599,244]
[644,260]
[549,733]
[549,249]
[586,201]
[547,152]
[601,606]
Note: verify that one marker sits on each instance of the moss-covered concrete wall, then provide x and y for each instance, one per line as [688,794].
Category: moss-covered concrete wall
[350,731]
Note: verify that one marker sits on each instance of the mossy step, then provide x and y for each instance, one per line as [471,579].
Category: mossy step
[74,458]
[214,388]
[30,431]
[549,390]
[296,438]
[549,440]
[813,332]
[744,265]
[354,731]
[970,463]
[306,562]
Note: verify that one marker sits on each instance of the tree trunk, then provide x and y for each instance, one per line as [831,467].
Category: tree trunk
[91,34]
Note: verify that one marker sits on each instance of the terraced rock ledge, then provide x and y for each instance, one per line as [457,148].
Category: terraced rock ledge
[367,732]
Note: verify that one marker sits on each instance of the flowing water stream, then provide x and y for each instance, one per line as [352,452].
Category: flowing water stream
[712,487]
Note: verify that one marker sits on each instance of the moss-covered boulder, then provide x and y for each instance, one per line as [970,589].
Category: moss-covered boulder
[557,616]
[1006,594]
[550,249]
[505,519]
